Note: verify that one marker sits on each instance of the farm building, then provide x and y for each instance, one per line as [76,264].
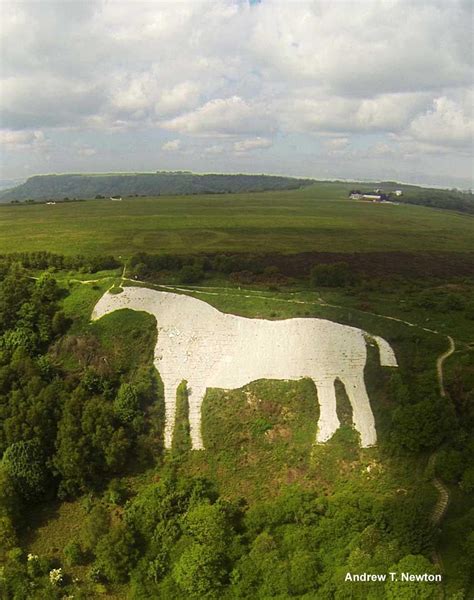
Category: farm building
[376,197]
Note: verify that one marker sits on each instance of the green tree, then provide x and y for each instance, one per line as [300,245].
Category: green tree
[126,403]
[200,572]
[403,590]
[24,461]
[96,525]
[116,554]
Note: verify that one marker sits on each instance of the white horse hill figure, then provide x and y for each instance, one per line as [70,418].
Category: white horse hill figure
[208,348]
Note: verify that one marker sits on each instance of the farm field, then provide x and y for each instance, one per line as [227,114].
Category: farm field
[317,218]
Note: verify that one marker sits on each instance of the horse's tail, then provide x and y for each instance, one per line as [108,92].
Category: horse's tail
[387,355]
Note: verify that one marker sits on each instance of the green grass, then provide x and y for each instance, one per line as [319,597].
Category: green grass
[318,218]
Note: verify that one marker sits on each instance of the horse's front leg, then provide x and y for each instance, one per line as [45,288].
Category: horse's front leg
[170,411]
[328,419]
[196,393]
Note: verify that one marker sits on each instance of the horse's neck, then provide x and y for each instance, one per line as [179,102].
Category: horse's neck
[168,312]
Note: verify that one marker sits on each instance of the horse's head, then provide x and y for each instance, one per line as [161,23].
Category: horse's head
[134,298]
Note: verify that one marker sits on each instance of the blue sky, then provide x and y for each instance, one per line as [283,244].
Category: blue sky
[295,88]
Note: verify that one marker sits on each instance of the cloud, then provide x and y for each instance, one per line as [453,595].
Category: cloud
[23,139]
[215,149]
[224,116]
[171,146]
[338,143]
[445,123]
[250,144]
[385,112]
[181,96]
[86,152]
[238,72]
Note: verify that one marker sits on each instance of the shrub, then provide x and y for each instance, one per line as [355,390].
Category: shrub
[73,553]
[116,554]
[126,404]
[191,274]
[335,275]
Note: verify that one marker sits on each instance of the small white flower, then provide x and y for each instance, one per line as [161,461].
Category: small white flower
[32,557]
[56,576]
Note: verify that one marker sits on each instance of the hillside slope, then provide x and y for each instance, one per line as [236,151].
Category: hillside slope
[42,187]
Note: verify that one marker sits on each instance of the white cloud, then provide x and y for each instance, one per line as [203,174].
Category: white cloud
[228,70]
[250,144]
[23,139]
[214,149]
[182,96]
[338,143]
[171,146]
[445,123]
[86,151]
[386,112]
[224,116]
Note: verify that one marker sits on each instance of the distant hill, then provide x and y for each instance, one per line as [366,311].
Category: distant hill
[42,187]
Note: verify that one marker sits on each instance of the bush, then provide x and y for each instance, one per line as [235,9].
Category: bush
[191,274]
[126,404]
[335,275]
[116,554]
[73,553]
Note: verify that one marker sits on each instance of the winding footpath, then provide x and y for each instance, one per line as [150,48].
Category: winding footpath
[442,503]
[443,493]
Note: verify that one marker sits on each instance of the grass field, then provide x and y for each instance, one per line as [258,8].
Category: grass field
[318,218]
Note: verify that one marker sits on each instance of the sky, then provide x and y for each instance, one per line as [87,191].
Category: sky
[330,89]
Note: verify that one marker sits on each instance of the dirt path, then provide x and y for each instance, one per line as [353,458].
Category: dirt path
[441,506]
[439,365]
[88,280]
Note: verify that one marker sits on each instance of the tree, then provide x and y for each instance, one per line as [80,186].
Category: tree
[24,461]
[200,572]
[126,404]
[95,526]
[403,590]
[116,554]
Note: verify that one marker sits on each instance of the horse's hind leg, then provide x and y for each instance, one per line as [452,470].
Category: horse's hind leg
[362,415]
[196,395]
[328,420]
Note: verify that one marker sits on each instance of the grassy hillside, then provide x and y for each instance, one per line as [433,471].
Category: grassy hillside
[317,218]
[322,509]
[262,512]
[149,184]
